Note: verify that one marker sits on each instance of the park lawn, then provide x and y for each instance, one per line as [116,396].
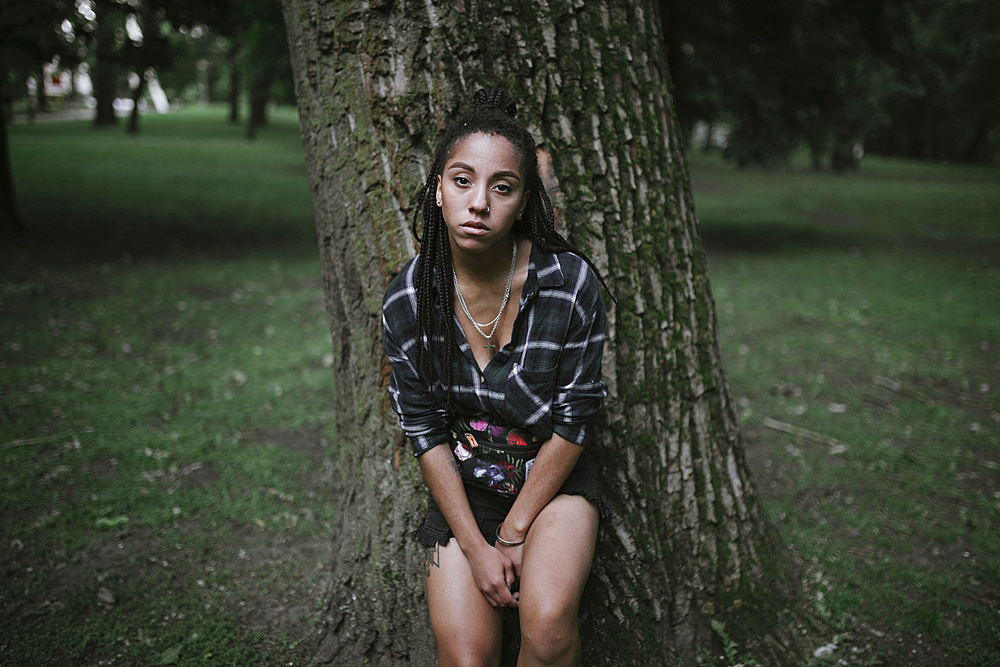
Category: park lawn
[864,308]
[189,179]
[165,397]
[164,394]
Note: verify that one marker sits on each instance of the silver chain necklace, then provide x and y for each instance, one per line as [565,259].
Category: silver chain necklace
[496,320]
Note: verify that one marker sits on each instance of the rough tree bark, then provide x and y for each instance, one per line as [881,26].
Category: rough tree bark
[376,81]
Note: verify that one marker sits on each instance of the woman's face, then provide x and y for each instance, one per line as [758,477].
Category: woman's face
[481,192]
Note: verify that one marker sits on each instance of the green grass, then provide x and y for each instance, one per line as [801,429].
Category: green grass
[163,389]
[888,204]
[865,308]
[188,180]
[165,395]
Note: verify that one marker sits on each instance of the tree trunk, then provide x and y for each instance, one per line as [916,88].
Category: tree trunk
[29,101]
[42,99]
[817,138]
[211,81]
[105,88]
[105,85]
[105,70]
[260,95]
[375,82]
[842,157]
[234,84]
[140,90]
[10,222]
[977,150]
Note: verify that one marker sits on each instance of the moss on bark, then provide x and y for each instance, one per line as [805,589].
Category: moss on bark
[690,543]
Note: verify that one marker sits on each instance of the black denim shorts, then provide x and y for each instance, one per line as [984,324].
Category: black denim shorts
[490,508]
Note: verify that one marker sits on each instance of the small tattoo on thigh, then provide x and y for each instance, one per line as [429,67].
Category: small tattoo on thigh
[456,467]
[433,558]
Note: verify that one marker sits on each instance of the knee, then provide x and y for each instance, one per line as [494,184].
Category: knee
[468,654]
[549,636]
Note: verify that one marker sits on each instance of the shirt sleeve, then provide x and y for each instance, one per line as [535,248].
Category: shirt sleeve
[422,417]
[579,389]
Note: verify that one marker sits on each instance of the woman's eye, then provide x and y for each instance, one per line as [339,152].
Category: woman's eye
[503,188]
[461,180]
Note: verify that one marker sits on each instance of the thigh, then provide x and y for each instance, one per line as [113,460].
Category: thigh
[558,553]
[466,628]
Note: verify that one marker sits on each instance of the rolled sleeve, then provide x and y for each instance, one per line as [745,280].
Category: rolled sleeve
[422,417]
[579,390]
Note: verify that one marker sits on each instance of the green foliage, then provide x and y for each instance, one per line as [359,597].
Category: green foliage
[945,105]
[729,646]
[905,77]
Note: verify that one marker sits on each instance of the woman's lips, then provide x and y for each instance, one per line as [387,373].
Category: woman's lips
[475,228]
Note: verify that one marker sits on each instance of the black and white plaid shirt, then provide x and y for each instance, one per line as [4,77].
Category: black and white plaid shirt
[547,379]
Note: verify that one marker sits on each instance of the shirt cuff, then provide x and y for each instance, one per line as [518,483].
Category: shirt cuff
[422,444]
[576,433]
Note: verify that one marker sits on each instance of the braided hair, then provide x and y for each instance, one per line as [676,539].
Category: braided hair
[494,113]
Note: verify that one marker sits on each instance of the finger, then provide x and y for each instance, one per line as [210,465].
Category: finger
[504,597]
[509,573]
[494,594]
[497,593]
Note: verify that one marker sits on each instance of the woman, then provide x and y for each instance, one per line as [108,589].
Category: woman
[495,334]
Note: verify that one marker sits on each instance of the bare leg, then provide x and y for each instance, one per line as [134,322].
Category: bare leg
[467,629]
[558,553]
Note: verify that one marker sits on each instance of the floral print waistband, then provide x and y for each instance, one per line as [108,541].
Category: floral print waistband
[492,456]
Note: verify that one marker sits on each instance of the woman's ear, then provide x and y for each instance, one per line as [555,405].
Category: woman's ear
[524,203]
[437,194]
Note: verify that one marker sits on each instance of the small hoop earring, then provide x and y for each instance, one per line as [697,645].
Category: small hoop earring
[487,209]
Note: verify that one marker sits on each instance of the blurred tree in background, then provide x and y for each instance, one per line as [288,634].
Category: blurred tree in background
[945,104]
[195,50]
[269,71]
[910,78]
[28,38]
[913,78]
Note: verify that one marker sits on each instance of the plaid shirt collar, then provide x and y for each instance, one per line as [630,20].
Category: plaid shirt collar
[544,271]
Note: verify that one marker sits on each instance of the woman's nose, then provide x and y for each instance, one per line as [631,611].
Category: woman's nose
[479,201]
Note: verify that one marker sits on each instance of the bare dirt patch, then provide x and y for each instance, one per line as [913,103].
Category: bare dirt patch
[198,473]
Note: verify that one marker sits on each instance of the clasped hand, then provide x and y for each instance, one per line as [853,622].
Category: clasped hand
[496,570]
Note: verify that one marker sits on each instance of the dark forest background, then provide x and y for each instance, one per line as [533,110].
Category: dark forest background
[756,78]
